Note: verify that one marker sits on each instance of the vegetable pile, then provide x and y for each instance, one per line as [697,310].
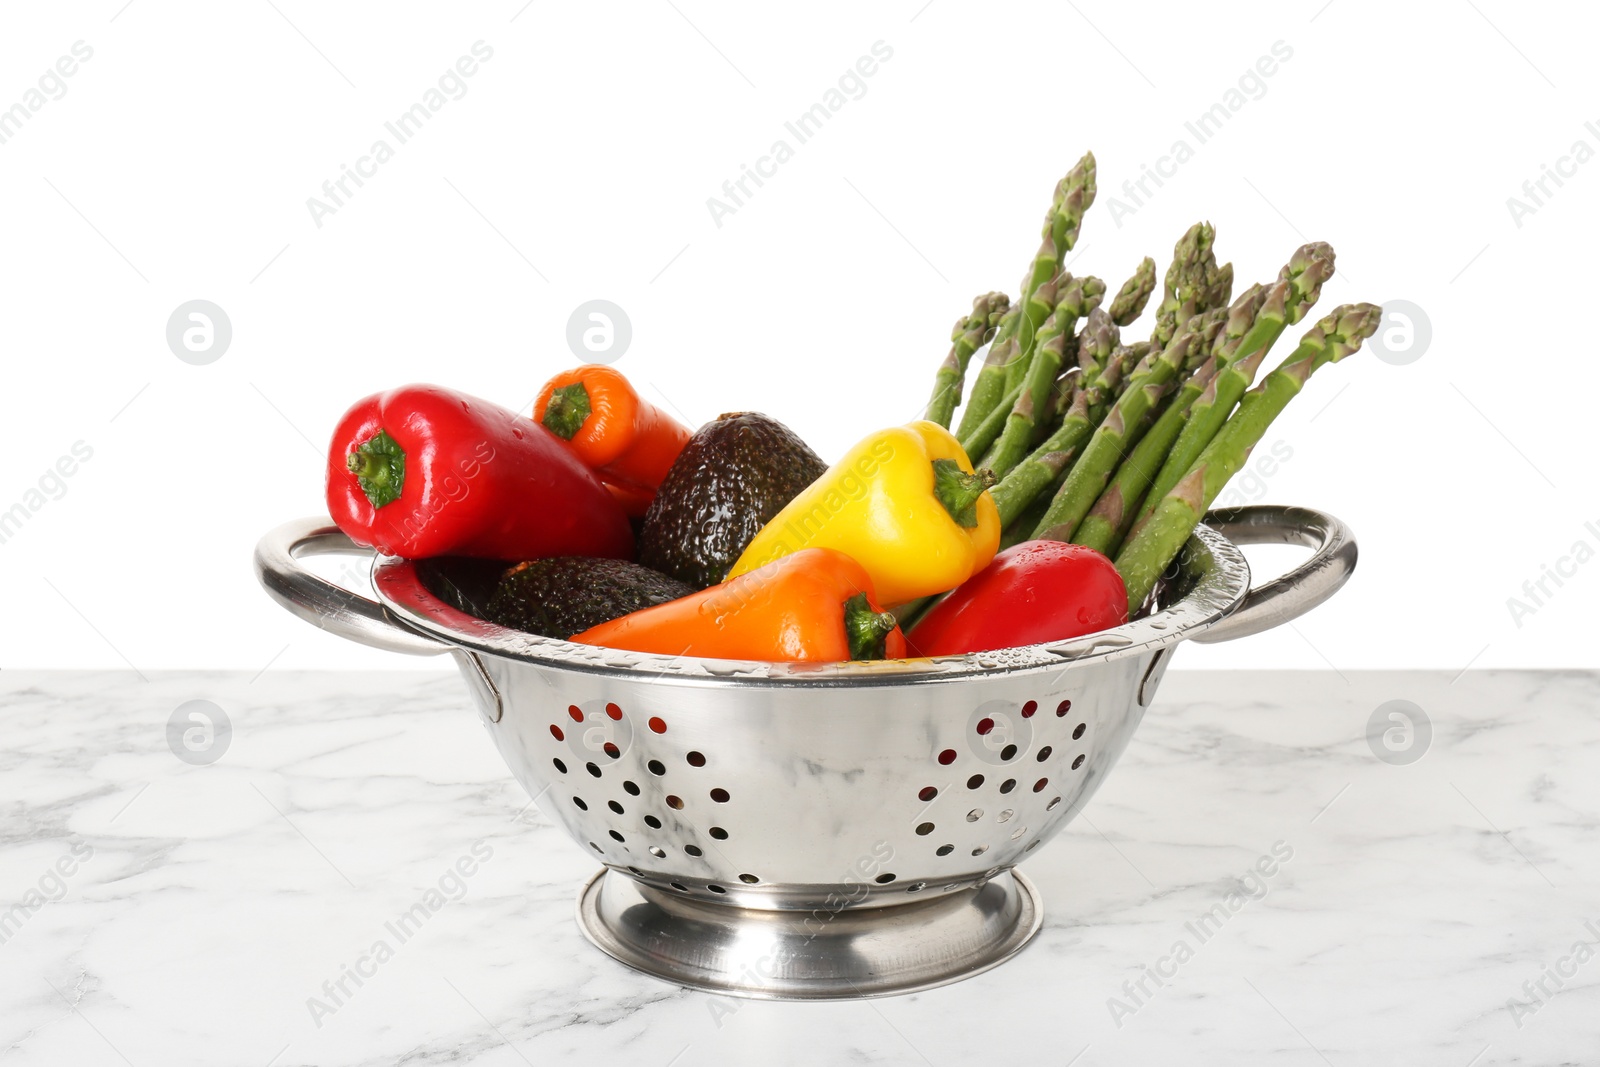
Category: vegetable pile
[1079,467]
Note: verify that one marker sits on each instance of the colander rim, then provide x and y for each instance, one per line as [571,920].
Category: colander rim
[1221,584]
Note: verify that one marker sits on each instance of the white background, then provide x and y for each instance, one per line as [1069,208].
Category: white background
[578,164]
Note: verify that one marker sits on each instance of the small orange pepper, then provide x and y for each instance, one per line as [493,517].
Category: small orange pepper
[619,435]
[816,605]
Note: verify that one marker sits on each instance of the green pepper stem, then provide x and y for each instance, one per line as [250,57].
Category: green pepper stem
[379,464]
[567,410]
[866,629]
[959,491]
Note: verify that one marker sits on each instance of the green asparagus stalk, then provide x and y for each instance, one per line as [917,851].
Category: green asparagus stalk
[980,440]
[1080,296]
[1112,515]
[1054,466]
[969,334]
[989,385]
[1073,196]
[1253,326]
[1151,548]
[1135,293]
[1193,283]
[1100,362]
[1117,434]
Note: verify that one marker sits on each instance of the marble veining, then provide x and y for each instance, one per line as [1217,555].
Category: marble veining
[357,880]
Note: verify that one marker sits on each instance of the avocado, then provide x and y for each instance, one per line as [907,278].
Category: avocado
[566,595]
[733,476]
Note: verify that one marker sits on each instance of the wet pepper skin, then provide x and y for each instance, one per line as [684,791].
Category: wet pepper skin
[878,506]
[1033,592]
[423,471]
[625,439]
[796,609]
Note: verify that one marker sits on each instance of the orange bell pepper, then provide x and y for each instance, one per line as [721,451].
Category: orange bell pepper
[620,436]
[816,605]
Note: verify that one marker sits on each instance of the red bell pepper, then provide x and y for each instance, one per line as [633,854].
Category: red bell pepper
[1033,592]
[423,471]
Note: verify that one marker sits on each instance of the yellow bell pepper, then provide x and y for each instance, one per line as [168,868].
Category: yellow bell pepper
[904,503]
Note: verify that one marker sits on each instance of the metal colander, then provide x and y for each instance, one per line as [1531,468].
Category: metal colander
[815,831]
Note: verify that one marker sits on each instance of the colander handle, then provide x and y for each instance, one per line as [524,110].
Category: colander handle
[1303,588]
[322,603]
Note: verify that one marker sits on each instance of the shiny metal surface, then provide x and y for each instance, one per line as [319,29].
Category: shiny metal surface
[823,954]
[769,792]
[1318,578]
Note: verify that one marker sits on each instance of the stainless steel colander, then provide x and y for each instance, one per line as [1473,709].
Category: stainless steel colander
[795,831]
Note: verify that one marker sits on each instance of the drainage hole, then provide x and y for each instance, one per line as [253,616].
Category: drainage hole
[975,781]
[719,795]
[884,879]
[924,829]
[562,767]
[696,759]
[715,888]
[656,767]
[1077,763]
[1008,785]
[975,814]
[1078,731]
[630,788]
[581,805]
[679,886]
[616,835]
[657,852]
[718,832]
[675,803]
[749,879]
[693,850]
[592,769]
[1044,753]
[614,806]
[652,822]
[944,850]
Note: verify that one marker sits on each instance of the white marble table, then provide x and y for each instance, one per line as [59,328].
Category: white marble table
[199,908]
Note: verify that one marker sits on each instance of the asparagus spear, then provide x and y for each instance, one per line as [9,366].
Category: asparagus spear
[978,442]
[1193,281]
[989,386]
[1147,553]
[968,335]
[1100,363]
[1074,193]
[1080,296]
[1252,328]
[1108,521]
[1135,293]
[1116,435]
[1073,196]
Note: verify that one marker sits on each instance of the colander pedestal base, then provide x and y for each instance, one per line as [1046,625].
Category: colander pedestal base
[810,955]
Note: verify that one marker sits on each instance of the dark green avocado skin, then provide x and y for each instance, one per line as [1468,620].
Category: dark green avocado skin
[566,595]
[733,476]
